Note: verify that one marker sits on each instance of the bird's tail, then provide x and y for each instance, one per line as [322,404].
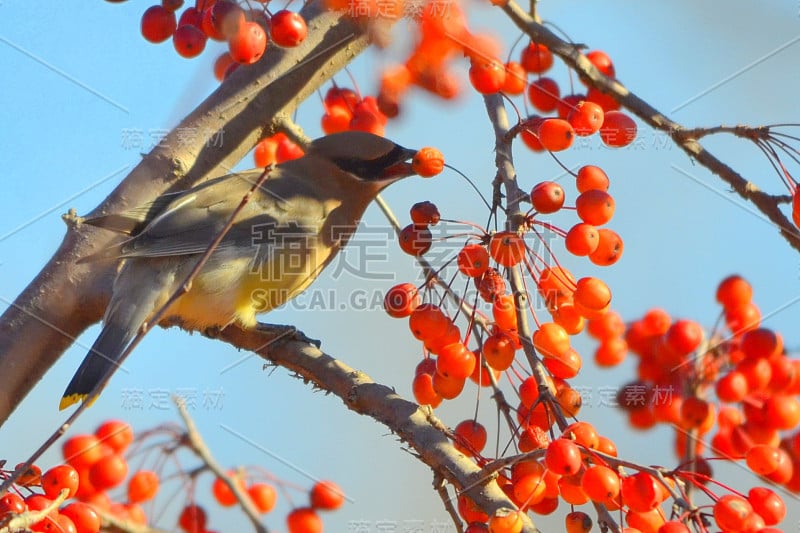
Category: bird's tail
[126,313]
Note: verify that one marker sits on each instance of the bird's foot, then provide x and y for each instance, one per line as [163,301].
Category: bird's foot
[284,333]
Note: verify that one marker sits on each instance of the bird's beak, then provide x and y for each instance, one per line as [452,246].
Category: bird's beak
[401,169]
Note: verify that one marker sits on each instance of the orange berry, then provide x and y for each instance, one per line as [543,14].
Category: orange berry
[592,293]
[303,520]
[583,433]
[731,511]
[555,134]
[600,483]
[83,516]
[487,75]
[455,361]
[116,434]
[142,486]
[473,260]
[507,248]
[734,291]
[582,239]
[595,207]
[427,162]
[401,300]
[499,351]
[423,390]
[606,101]
[335,120]
[563,457]
[578,522]
[609,249]
[108,472]
[83,450]
[506,520]
[263,496]
[591,177]
[551,340]
[447,387]
[515,79]
[427,322]
[223,494]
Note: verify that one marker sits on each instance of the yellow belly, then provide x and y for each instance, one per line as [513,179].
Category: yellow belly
[232,289]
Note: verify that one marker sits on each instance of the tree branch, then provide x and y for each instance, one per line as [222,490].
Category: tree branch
[415,425]
[571,54]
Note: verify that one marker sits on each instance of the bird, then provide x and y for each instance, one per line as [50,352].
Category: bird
[294,224]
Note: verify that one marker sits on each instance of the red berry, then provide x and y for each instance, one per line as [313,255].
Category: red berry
[536,58]
[602,62]
[108,472]
[586,118]
[192,519]
[326,495]
[415,239]
[189,41]
[487,75]
[544,94]
[618,129]
[303,520]
[288,28]
[401,300]
[11,502]
[115,433]
[158,24]
[58,478]
[84,517]
[247,45]
[425,213]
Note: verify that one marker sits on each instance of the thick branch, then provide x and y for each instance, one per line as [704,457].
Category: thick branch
[65,298]
[415,425]
[572,56]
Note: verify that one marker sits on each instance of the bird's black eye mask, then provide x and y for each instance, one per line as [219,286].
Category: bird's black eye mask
[374,169]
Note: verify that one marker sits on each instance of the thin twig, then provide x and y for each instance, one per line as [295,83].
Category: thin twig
[574,58]
[441,488]
[198,446]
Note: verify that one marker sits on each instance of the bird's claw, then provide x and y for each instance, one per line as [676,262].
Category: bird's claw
[282,333]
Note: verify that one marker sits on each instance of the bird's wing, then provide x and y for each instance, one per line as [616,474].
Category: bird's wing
[132,221]
[192,220]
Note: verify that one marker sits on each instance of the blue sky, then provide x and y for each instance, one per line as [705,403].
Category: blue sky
[80,81]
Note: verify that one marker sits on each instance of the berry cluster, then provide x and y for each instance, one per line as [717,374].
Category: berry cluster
[443,37]
[244,30]
[756,413]
[570,302]
[97,463]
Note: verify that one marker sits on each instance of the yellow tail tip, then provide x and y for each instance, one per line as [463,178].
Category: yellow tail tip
[72,399]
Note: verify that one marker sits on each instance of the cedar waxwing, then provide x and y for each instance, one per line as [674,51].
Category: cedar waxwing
[292,227]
